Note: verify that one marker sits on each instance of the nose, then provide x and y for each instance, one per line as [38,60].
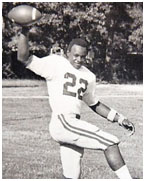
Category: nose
[79,59]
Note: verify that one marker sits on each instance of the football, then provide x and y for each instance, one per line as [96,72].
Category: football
[24,14]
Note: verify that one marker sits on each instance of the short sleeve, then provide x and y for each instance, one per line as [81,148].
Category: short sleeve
[90,97]
[45,67]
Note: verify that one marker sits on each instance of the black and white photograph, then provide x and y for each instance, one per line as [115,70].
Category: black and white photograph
[72,90]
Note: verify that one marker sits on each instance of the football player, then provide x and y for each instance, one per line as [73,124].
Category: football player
[69,84]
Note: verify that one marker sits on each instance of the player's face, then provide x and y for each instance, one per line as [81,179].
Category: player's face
[77,56]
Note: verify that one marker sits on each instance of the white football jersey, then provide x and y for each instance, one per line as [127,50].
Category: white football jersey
[67,86]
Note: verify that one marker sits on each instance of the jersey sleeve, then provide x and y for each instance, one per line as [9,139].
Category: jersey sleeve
[45,67]
[90,95]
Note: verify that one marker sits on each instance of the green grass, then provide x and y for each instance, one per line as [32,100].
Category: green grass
[28,151]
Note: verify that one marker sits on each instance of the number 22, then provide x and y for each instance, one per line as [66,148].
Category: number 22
[72,83]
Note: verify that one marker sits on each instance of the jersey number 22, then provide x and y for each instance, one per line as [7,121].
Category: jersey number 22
[72,83]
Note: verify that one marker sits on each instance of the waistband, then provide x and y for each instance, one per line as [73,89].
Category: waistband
[72,115]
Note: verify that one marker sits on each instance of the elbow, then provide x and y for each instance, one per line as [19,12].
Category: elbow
[94,107]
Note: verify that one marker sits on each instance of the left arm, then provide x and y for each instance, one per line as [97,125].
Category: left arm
[112,115]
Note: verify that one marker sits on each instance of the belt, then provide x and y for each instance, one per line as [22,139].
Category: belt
[78,116]
[72,115]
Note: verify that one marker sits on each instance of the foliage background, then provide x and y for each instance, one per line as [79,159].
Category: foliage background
[114,31]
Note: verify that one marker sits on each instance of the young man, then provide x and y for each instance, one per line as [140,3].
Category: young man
[69,83]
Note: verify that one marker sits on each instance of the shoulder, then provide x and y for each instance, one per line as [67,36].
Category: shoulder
[90,74]
[57,59]
[53,59]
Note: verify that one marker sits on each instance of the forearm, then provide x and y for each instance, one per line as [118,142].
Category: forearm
[23,46]
[105,111]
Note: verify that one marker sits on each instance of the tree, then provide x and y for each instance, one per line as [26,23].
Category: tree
[136,33]
[111,29]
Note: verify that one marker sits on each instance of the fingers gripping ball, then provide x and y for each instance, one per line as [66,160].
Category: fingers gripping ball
[24,14]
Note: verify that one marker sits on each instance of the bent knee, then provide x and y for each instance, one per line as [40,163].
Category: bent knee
[116,140]
[115,143]
[109,138]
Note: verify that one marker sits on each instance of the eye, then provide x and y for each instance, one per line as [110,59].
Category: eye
[76,55]
[83,57]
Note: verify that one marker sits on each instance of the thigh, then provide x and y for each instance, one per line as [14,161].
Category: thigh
[99,140]
[71,160]
[90,136]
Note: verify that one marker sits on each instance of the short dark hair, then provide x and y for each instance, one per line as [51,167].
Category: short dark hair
[77,41]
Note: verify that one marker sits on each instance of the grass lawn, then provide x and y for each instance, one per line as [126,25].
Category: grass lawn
[28,151]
